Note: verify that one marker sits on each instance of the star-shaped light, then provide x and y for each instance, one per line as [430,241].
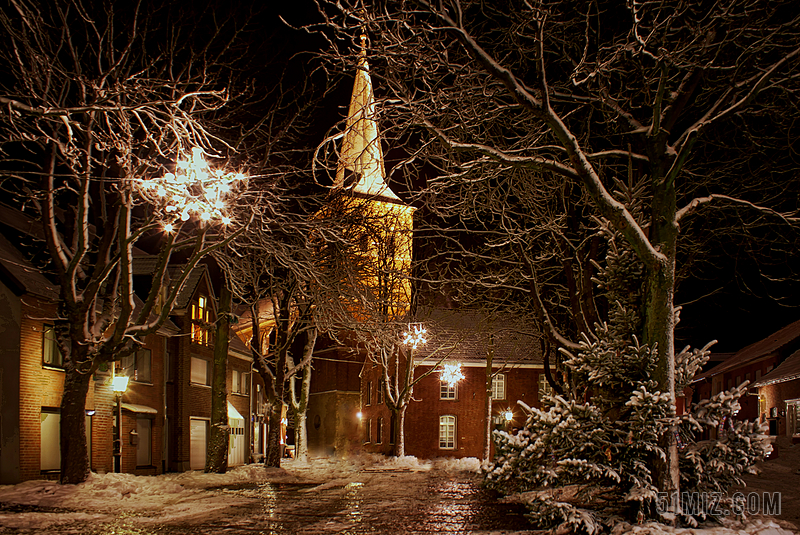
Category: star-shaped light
[194,190]
[451,373]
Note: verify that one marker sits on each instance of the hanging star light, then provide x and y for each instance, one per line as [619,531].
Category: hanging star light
[415,336]
[451,373]
[193,190]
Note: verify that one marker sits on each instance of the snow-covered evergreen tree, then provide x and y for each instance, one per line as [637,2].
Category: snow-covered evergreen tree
[588,460]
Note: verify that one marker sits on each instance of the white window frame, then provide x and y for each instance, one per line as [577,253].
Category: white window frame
[447,432]
[368,431]
[499,386]
[200,314]
[379,431]
[544,387]
[448,392]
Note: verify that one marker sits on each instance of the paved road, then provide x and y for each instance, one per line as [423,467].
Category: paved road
[374,502]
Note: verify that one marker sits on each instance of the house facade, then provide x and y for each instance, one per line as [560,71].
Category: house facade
[768,391]
[164,411]
[501,366]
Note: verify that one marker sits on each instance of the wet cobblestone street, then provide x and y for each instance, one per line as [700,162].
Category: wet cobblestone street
[372,503]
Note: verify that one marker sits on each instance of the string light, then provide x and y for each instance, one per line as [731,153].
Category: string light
[194,190]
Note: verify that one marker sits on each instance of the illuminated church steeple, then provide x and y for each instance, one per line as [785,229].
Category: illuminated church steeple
[385,230]
[361,166]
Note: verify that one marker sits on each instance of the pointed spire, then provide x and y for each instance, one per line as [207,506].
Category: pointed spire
[361,154]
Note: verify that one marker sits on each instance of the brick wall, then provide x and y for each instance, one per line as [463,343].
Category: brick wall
[422,416]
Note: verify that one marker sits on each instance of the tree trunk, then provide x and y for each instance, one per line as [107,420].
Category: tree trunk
[217,451]
[400,440]
[273,456]
[659,310]
[75,465]
[487,439]
[300,417]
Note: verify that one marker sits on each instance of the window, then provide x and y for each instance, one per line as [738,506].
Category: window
[769,368]
[544,387]
[240,382]
[137,366]
[730,383]
[379,431]
[368,395]
[51,354]
[381,384]
[200,320]
[447,432]
[758,375]
[199,372]
[447,391]
[738,380]
[144,453]
[499,386]
[368,431]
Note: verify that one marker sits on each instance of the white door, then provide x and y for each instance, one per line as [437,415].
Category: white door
[236,446]
[197,434]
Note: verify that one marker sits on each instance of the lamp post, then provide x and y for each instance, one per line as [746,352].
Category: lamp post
[119,384]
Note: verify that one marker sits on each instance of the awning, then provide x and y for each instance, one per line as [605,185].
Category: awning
[140,409]
[233,413]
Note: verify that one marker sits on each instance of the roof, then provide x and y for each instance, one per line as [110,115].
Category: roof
[140,409]
[786,371]
[756,351]
[25,277]
[464,335]
[361,152]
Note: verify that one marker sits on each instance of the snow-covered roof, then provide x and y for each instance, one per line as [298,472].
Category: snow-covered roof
[755,351]
[465,335]
[786,371]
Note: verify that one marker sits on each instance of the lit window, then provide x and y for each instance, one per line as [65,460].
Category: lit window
[499,386]
[447,432]
[199,321]
[137,366]
[446,390]
[51,355]
[199,372]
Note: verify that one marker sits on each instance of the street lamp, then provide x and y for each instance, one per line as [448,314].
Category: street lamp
[119,384]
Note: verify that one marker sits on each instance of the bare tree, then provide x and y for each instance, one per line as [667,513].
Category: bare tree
[522,99]
[96,99]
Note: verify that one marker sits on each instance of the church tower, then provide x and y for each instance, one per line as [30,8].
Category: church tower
[385,220]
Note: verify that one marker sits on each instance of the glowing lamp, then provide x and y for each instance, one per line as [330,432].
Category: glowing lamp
[119,384]
[359,415]
[508,416]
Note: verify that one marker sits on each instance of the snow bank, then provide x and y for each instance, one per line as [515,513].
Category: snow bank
[729,527]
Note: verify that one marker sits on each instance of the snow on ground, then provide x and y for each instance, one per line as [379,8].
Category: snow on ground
[173,497]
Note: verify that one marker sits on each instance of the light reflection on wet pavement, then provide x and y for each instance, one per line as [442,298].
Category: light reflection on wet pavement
[441,503]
